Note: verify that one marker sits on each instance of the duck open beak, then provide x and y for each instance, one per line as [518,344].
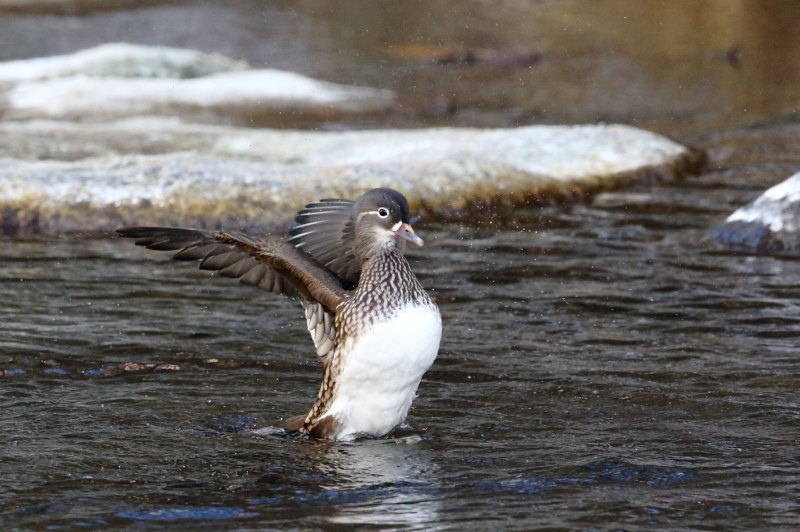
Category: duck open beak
[404,230]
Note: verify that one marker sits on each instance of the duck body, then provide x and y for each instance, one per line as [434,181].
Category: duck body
[382,371]
[391,338]
[374,327]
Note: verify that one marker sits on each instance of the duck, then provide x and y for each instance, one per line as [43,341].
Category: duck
[374,327]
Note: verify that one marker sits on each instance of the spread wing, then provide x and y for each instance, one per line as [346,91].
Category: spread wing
[270,264]
[325,232]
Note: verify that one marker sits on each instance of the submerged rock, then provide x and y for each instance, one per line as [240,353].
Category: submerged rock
[446,173]
[769,223]
[121,80]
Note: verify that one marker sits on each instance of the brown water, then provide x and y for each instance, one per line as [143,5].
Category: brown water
[603,367]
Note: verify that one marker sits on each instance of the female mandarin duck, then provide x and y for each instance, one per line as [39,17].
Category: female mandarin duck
[375,329]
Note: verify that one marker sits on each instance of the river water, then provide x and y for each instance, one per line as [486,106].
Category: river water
[604,367]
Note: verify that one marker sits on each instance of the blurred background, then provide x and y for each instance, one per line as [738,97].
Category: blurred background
[673,67]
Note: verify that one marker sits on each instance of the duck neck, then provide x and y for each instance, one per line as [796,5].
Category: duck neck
[387,284]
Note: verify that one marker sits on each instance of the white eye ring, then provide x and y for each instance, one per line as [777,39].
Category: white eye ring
[383,213]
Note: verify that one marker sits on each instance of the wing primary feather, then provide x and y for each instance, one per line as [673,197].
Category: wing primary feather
[320,223]
[221,260]
[321,237]
[164,244]
[330,202]
[254,276]
[201,251]
[324,211]
[331,233]
[333,249]
[280,286]
[239,268]
[325,231]
[329,205]
[267,281]
[270,264]
[311,217]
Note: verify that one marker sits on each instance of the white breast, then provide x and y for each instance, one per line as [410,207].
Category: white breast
[381,372]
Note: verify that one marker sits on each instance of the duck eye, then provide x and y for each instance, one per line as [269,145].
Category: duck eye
[383,213]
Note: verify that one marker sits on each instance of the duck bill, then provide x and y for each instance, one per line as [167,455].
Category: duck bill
[406,232]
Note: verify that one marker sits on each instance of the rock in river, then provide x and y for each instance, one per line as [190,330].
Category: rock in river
[121,60]
[769,223]
[250,178]
[121,80]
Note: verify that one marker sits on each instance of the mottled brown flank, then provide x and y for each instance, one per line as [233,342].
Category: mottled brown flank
[386,286]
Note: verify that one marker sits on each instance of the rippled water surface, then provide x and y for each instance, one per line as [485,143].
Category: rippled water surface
[603,367]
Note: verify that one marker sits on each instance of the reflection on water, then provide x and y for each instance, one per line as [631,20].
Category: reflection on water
[402,476]
[668,66]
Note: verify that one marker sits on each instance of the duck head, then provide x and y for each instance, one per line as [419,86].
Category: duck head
[381,218]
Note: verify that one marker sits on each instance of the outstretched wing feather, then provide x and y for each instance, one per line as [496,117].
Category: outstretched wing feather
[325,231]
[269,264]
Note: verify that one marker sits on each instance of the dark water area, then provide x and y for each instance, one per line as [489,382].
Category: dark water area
[673,67]
[603,367]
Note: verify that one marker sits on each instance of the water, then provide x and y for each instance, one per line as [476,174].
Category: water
[603,367]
